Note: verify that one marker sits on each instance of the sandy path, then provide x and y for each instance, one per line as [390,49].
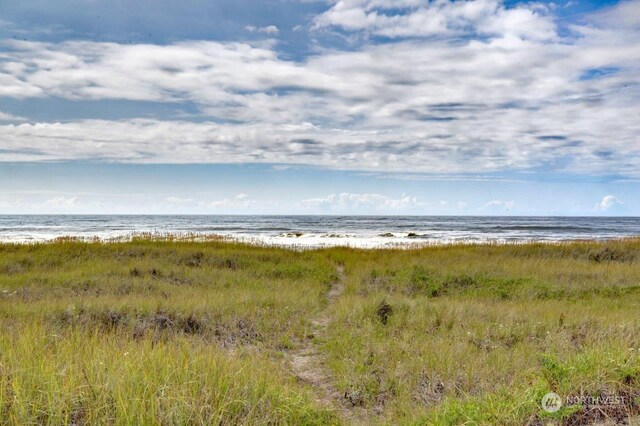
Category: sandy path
[308,364]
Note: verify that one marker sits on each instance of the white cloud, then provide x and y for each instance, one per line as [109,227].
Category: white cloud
[178,200]
[11,203]
[270,29]
[44,202]
[240,201]
[61,202]
[607,202]
[509,93]
[353,201]
[507,205]
[626,15]
[10,117]
[415,18]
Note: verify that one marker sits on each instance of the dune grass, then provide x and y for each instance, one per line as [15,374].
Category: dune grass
[179,332]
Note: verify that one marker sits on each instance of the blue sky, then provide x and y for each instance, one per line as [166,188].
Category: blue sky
[313,107]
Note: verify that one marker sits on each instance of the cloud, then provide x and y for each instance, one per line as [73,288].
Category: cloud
[625,16]
[178,200]
[10,117]
[498,89]
[507,205]
[12,203]
[61,202]
[354,201]
[240,201]
[607,202]
[155,141]
[44,202]
[420,18]
[270,29]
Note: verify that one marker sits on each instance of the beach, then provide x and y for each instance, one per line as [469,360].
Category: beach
[321,231]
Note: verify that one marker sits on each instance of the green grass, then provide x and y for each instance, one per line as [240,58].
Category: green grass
[179,332]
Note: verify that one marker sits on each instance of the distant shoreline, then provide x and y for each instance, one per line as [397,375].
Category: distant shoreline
[295,242]
[321,231]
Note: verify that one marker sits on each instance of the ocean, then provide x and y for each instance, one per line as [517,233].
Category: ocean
[323,231]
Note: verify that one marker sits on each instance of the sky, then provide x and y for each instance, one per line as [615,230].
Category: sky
[477,107]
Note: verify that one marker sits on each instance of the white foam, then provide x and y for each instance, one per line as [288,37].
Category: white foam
[304,241]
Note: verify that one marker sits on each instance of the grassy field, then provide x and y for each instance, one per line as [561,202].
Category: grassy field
[171,332]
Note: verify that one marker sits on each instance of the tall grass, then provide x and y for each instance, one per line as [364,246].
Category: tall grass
[183,332]
[478,334]
[154,333]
